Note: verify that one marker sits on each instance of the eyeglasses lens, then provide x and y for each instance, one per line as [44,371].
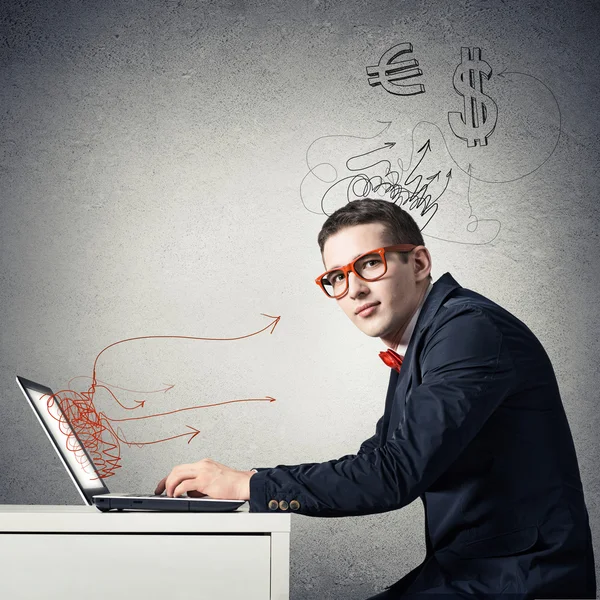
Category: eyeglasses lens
[370,267]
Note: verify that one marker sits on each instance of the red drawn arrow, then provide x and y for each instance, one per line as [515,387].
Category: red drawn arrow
[88,397]
[265,399]
[184,337]
[164,390]
[173,437]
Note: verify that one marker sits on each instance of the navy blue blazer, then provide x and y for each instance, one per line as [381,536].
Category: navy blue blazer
[474,426]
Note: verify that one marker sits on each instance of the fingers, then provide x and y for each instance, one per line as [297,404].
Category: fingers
[196,494]
[170,481]
[185,486]
[160,488]
[182,473]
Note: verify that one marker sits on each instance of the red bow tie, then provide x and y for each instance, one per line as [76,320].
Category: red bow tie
[392,359]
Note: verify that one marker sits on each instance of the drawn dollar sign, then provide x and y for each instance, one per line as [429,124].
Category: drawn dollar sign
[481,112]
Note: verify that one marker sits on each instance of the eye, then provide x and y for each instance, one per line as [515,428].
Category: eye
[372,260]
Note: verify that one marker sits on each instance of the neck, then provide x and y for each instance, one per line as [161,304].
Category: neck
[394,341]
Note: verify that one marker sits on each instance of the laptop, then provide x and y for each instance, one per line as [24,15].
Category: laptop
[84,474]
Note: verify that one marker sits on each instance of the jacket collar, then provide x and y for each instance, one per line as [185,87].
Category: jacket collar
[441,289]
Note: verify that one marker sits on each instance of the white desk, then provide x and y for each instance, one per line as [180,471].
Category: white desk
[77,552]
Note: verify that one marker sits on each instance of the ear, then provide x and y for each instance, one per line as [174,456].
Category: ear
[422,262]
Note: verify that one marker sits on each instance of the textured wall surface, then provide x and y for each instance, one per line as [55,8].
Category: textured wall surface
[165,167]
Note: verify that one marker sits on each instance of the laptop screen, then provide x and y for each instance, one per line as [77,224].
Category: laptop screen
[72,453]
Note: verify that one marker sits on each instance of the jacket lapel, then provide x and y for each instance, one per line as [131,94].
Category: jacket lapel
[399,384]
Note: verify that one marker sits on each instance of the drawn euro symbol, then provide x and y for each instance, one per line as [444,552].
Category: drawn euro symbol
[389,70]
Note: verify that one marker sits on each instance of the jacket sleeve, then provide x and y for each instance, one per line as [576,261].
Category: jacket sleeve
[466,373]
[366,446]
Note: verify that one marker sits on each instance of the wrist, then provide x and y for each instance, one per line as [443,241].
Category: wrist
[246,487]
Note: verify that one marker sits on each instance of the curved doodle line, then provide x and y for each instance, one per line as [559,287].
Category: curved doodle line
[434,237]
[312,169]
[356,137]
[448,178]
[386,146]
[394,188]
[476,221]
[427,146]
[393,185]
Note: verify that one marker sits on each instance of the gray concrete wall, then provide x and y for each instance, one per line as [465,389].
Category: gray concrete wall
[165,169]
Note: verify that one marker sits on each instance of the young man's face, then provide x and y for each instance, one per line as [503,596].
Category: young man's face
[396,295]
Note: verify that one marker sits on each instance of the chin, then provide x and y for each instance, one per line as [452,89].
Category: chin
[370,329]
[372,334]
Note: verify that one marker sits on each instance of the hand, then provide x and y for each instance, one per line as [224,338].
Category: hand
[206,478]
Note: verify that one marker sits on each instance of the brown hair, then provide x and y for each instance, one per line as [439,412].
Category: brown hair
[400,227]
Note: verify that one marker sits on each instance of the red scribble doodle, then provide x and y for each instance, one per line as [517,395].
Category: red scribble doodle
[95,429]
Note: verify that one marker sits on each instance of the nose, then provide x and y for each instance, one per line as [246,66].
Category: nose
[356,285]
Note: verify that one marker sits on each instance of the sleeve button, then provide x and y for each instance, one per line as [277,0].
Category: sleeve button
[273,505]
[294,505]
[283,505]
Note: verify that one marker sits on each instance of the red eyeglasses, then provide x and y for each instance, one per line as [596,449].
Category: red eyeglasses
[370,266]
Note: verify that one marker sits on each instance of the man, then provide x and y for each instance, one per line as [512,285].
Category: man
[473,426]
